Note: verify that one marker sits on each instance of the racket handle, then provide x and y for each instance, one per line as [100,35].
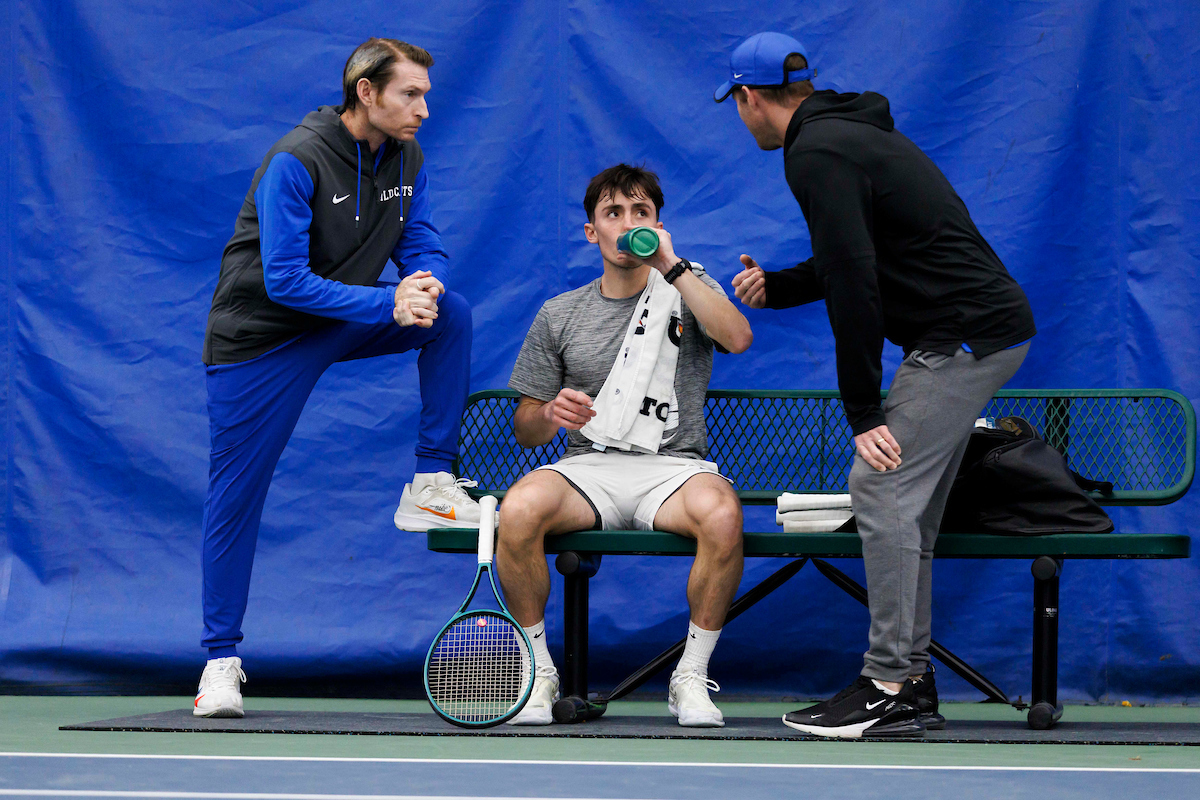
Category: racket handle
[487,528]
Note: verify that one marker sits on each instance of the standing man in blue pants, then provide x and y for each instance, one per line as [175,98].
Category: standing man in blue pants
[896,256]
[299,290]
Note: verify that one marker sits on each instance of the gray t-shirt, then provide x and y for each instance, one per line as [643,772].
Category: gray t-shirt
[574,341]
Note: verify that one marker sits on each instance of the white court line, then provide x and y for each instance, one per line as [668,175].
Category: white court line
[258,796]
[677,764]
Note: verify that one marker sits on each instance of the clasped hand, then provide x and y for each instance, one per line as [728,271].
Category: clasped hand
[416,300]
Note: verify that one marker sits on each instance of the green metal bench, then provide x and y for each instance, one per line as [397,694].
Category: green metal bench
[1142,441]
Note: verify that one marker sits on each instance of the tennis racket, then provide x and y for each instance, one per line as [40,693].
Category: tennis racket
[479,671]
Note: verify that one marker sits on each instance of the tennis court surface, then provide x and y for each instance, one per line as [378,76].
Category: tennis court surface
[40,760]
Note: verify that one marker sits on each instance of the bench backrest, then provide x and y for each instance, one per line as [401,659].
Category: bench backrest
[768,442]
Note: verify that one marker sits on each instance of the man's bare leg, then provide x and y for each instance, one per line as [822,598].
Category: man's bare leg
[541,504]
[705,509]
[708,510]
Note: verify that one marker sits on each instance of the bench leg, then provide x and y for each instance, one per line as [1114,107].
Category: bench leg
[574,706]
[1045,710]
[739,606]
[956,664]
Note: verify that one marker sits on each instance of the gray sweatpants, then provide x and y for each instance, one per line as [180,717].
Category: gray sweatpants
[931,409]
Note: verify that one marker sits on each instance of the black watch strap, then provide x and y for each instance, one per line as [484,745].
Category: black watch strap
[677,270]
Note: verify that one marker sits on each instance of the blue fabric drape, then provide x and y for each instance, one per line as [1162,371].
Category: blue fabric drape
[1071,130]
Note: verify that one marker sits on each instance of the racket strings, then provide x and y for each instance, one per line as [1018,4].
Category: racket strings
[479,668]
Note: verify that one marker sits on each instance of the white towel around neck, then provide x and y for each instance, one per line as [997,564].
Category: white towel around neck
[636,408]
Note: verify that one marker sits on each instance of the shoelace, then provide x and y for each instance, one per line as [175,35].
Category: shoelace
[456,492]
[695,677]
[224,677]
[859,683]
[544,672]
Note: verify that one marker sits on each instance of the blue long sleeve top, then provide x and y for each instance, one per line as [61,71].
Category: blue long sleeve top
[284,201]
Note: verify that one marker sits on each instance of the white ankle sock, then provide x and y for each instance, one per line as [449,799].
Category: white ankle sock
[699,648]
[537,638]
[884,689]
[422,479]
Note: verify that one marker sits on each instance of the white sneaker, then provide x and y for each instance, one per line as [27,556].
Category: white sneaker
[442,504]
[540,708]
[220,693]
[688,700]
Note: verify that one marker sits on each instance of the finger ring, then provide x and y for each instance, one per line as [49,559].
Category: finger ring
[880,441]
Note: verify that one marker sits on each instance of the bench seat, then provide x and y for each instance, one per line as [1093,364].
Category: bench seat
[847,545]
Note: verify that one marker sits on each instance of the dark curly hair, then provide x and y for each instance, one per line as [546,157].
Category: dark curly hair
[629,181]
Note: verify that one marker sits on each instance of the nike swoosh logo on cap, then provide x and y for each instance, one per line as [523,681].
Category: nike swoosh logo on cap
[337,199]
[738,74]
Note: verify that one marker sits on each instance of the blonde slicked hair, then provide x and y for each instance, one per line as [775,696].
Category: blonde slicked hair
[374,60]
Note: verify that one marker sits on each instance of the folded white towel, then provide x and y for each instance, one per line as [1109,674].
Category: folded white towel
[813,526]
[815,515]
[809,502]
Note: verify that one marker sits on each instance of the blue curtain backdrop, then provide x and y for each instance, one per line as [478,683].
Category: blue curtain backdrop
[1071,130]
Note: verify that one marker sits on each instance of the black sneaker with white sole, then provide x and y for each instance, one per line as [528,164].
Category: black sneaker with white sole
[925,692]
[861,709]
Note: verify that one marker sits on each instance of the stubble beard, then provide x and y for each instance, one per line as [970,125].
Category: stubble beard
[623,262]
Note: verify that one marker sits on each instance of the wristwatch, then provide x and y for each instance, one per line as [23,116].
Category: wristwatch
[677,270]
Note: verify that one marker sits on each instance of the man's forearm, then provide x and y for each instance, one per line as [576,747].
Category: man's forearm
[294,285]
[724,323]
[793,286]
[531,427]
[856,317]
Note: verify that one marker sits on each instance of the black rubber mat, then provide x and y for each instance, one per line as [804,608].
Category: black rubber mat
[628,727]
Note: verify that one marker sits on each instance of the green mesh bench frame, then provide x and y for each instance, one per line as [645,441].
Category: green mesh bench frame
[1141,440]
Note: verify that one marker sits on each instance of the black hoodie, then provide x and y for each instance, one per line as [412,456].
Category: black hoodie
[895,253]
[244,322]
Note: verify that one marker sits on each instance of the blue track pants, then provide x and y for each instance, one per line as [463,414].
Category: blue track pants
[253,407]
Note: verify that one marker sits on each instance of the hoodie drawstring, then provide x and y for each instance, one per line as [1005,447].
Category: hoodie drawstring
[358,183]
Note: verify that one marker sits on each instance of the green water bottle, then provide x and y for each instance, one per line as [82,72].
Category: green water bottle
[641,242]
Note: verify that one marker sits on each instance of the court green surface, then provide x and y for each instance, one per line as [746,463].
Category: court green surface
[30,725]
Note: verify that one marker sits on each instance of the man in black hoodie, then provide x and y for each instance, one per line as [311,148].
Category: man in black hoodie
[896,256]
[298,291]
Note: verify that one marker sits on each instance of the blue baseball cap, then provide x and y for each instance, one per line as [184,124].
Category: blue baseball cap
[758,63]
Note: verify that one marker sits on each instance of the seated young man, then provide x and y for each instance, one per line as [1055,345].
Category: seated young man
[643,330]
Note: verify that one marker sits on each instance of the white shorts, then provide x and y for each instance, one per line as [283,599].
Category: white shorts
[626,491]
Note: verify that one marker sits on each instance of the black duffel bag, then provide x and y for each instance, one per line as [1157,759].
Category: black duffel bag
[1011,482]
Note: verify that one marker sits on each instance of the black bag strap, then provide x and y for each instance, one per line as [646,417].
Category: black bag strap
[1088,485]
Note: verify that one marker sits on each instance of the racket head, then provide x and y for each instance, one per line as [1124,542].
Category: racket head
[479,671]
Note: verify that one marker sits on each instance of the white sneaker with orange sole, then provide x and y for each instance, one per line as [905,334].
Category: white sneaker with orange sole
[220,692]
[441,502]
